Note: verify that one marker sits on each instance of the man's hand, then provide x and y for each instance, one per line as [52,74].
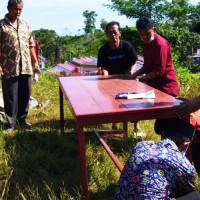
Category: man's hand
[105,72]
[140,78]
[187,106]
[36,68]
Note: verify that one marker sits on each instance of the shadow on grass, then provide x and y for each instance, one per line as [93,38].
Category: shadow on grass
[45,163]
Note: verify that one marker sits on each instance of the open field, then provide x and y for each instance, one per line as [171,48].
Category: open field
[42,164]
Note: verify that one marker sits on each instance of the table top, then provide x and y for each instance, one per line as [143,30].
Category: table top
[92,99]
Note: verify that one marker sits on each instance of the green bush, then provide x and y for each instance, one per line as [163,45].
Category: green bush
[188,82]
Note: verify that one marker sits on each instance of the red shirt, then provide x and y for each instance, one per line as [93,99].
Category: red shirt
[158,59]
[37,47]
[195,121]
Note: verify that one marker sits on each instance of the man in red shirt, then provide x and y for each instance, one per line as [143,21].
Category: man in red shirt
[158,63]
[37,47]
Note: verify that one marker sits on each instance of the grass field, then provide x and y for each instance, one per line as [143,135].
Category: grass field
[42,164]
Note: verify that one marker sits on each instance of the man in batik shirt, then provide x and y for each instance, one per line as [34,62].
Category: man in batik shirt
[159,170]
[16,54]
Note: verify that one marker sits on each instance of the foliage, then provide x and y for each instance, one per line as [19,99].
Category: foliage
[90,21]
[181,14]
[188,82]
[178,12]
[177,37]
[53,47]
[93,42]
[137,8]
[103,24]
[175,20]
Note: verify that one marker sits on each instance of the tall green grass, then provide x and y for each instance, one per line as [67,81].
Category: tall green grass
[42,164]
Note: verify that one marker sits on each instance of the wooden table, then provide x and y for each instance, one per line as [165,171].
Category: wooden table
[92,101]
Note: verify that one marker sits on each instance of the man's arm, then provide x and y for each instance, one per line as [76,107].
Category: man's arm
[148,77]
[36,67]
[188,106]
[101,62]
[38,51]
[139,72]
[132,70]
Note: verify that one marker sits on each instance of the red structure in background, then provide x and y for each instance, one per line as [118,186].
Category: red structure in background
[87,65]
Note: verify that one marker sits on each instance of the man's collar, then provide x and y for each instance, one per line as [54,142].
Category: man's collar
[172,143]
[6,18]
[113,46]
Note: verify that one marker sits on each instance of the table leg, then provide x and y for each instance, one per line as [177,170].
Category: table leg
[83,163]
[61,111]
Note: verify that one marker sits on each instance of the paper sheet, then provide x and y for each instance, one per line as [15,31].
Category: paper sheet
[147,95]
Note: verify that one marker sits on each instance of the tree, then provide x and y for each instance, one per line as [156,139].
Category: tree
[138,8]
[175,20]
[53,46]
[160,11]
[103,24]
[90,21]
[57,46]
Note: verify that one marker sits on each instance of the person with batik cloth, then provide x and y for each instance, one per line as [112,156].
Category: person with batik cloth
[159,170]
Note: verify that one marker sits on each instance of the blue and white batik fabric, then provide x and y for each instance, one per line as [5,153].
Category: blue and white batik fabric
[155,170]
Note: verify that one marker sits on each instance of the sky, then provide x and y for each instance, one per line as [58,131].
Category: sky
[66,16]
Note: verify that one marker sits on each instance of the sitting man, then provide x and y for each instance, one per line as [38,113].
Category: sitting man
[117,56]
[159,170]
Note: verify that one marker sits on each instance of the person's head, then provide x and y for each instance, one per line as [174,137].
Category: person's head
[197,28]
[14,9]
[113,31]
[146,29]
[177,130]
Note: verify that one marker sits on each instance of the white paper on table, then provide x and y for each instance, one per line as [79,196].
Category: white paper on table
[147,95]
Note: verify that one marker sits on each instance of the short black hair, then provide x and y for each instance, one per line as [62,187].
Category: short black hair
[176,137]
[111,24]
[174,126]
[144,23]
[13,2]
[197,28]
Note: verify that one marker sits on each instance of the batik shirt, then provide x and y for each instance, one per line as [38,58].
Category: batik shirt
[155,170]
[15,46]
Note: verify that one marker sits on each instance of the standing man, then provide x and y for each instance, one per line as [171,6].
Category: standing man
[37,53]
[158,63]
[37,47]
[159,170]
[117,56]
[16,53]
